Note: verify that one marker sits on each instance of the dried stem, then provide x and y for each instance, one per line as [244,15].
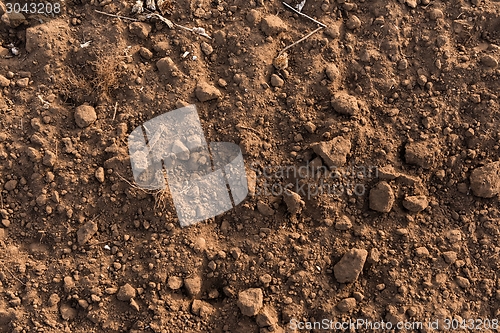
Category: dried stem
[300,40]
[302,14]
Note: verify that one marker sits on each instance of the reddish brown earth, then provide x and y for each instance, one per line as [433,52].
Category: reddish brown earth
[407,90]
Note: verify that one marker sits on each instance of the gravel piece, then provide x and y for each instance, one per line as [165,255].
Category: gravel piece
[193,286]
[358,296]
[411,3]
[416,203]
[206,92]
[310,127]
[250,301]
[345,104]
[10,185]
[206,48]
[236,252]
[454,236]
[343,223]
[99,174]
[420,153]
[85,116]
[387,173]
[253,16]
[126,293]
[272,25]
[293,201]
[489,61]
[334,152]
[174,282]
[276,81]
[85,233]
[462,282]
[266,317]
[69,284]
[436,14]
[49,159]
[381,197]
[264,208]
[422,251]
[134,305]
[67,312]
[15,19]
[333,31]
[350,266]
[347,304]
[201,308]
[23,83]
[485,180]
[353,23]
[53,300]
[332,72]
[166,66]
[145,53]
[450,257]
[140,29]
[4,82]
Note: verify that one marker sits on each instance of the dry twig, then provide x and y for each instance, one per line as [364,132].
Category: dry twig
[15,277]
[300,40]
[302,14]
[116,108]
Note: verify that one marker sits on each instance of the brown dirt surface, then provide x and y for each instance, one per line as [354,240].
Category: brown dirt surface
[390,114]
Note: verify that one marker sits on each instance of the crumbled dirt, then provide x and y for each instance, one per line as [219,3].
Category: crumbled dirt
[397,101]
